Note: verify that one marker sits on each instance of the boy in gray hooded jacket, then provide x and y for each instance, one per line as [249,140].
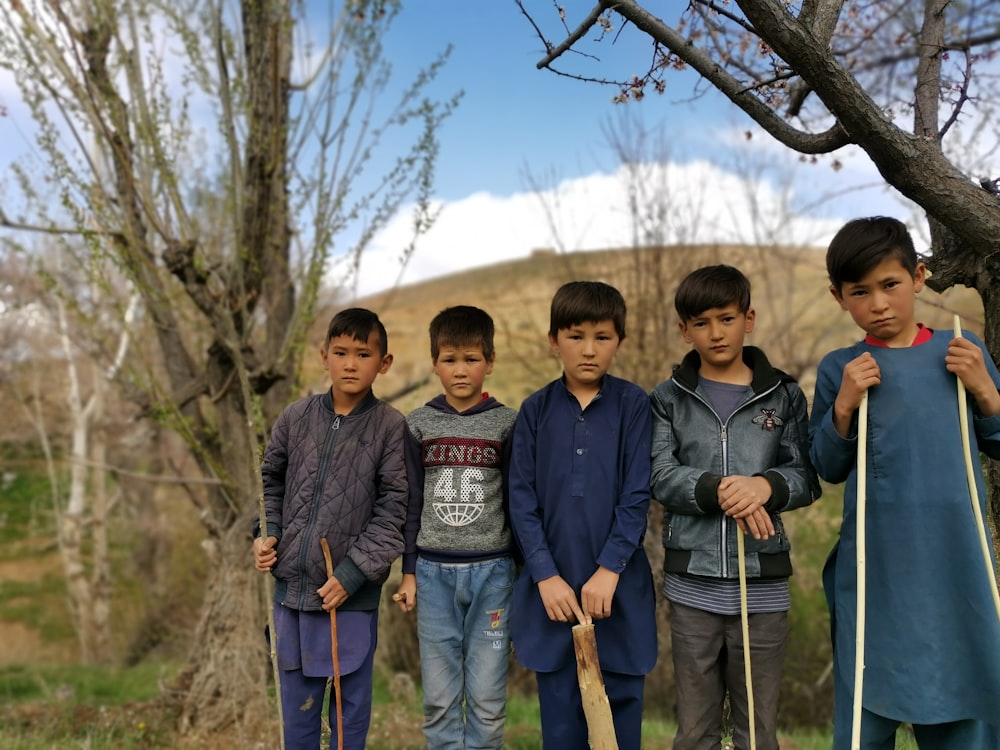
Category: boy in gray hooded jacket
[729,453]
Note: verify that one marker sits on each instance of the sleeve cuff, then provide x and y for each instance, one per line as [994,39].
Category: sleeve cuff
[779,491]
[349,575]
[706,492]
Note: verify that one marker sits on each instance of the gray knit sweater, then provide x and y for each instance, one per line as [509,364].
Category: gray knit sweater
[456,466]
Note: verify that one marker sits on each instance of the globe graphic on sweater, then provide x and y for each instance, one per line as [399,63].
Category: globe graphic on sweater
[458,514]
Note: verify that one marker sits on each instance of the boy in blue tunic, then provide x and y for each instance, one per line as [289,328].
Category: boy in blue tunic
[458,553]
[333,469]
[932,636]
[729,449]
[579,493]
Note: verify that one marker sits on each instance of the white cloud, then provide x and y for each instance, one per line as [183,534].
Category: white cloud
[699,202]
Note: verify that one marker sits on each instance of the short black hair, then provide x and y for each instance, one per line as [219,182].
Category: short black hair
[587,302]
[462,325]
[711,286]
[359,324]
[862,244]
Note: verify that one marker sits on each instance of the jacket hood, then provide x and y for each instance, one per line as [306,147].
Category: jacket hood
[764,375]
[440,402]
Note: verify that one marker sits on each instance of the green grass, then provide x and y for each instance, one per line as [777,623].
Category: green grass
[70,706]
[90,685]
[105,708]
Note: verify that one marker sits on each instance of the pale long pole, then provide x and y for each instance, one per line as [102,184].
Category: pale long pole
[970,475]
[273,640]
[745,620]
[859,629]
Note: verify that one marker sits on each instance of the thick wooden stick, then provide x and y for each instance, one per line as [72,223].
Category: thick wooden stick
[745,621]
[334,649]
[596,707]
[859,628]
[970,475]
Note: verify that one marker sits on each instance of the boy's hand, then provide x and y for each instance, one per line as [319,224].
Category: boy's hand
[597,593]
[739,496]
[965,359]
[859,375]
[406,595]
[560,601]
[332,593]
[264,553]
[758,524]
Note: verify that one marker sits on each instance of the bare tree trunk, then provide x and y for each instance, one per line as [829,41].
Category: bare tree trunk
[89,597]
[226,676]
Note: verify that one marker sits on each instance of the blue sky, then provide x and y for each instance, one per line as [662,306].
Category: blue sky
[516,121]
[513,114]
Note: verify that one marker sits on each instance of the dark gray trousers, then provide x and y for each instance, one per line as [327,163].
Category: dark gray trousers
[708,662]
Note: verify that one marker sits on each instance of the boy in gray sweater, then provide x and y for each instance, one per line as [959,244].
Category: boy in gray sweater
[458,550]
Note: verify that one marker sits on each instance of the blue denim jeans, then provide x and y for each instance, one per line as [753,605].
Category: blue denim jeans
[462,624]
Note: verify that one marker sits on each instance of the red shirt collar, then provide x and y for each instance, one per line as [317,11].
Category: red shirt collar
[923,336]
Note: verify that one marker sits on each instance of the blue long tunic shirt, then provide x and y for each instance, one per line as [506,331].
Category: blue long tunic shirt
[932,636]
[579,493]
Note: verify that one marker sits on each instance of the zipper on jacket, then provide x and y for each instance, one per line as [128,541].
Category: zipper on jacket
[724,444]
[724,437]
[331,440]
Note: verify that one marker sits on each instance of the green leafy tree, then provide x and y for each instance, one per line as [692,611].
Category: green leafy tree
[215,155]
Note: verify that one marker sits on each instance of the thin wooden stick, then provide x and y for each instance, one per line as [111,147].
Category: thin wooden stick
[270,626]
[859,628]
[970,475]
[745,620]
[336,655]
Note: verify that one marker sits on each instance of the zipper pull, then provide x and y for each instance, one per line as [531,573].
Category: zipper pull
[336,423]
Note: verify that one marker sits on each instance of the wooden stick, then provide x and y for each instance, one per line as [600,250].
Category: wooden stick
[859,628]
[970,475]
[596,707]
[745,621]
[336,656]
[270,625]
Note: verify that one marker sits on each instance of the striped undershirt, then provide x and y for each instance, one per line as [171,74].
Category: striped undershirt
[721,596]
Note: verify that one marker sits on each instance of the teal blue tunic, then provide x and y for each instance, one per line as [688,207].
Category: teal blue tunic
[932,636]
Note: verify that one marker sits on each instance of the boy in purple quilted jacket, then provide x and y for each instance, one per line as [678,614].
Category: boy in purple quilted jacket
[333,469]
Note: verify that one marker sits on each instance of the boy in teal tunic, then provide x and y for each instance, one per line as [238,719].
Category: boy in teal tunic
[932,636]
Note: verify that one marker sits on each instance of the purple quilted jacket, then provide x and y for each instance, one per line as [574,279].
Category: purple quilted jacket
[342,478]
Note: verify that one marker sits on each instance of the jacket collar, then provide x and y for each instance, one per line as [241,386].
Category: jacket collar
[368,402]
[764,375]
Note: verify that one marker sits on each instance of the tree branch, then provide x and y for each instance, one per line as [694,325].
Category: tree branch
[737,92]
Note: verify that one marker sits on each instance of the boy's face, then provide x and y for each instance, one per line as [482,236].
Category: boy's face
[353,365]
[717,335]
[462,370]
[882,302]
[586,351]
